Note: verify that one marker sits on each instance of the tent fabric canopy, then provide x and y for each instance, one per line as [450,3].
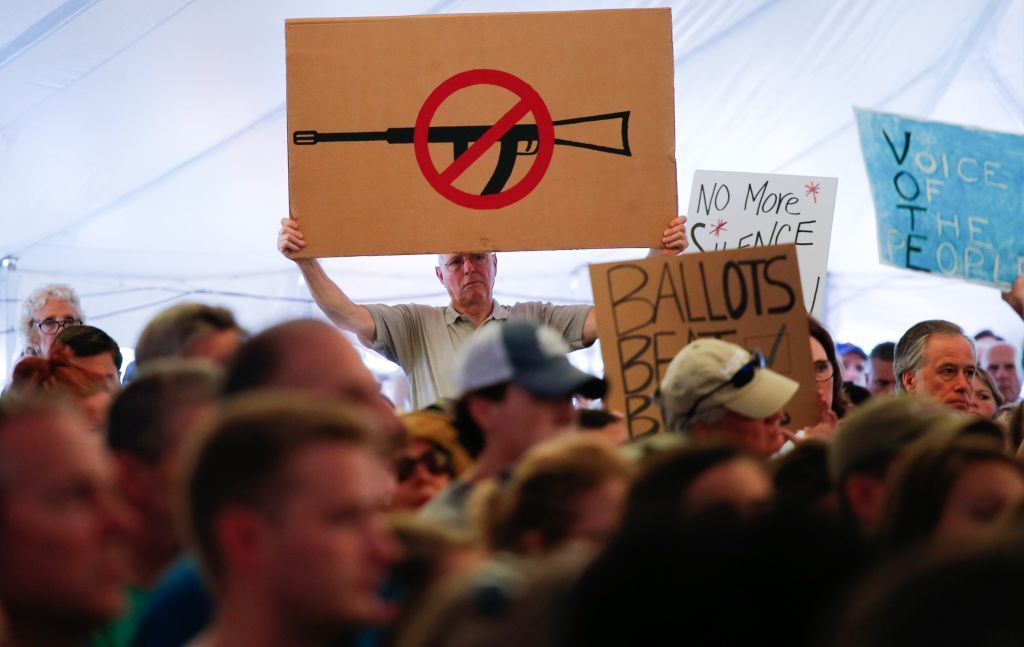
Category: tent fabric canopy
[143,153]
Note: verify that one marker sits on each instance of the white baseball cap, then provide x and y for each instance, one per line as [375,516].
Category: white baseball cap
[709,373]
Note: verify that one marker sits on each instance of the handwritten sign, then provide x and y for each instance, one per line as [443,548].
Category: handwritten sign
[948,199]
[736,210]
[649,309]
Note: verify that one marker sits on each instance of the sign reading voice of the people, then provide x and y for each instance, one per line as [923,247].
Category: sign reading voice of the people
[735,210]
[481,132]
[647,310]
[948,199]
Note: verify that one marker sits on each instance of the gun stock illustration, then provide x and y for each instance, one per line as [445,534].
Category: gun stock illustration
[460,137]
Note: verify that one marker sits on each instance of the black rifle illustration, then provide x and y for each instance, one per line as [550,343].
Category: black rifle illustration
[460,138]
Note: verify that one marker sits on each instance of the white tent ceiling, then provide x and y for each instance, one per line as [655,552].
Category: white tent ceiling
[143,145]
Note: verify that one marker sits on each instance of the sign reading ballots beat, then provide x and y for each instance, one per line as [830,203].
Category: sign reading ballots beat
[734,210]
[648,309]
[948,199]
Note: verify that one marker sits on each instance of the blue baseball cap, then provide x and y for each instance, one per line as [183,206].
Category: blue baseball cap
[523,353]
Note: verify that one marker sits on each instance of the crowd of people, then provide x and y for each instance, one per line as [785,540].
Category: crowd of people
[256,488]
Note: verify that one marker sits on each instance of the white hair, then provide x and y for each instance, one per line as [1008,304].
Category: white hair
[31,306]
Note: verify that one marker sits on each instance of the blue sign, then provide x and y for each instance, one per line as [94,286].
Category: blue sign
[948,199]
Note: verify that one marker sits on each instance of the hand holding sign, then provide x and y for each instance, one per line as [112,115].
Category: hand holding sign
[673,239]
[289,239]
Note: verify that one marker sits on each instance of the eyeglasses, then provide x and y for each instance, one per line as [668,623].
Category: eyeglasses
[435,461]
[739,379]
[456,263]
[823,370]
[51,326]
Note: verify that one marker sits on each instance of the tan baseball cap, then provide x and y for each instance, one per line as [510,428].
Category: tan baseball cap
[709,373]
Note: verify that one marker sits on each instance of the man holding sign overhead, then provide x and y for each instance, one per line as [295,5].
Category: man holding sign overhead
[422,339]
[480,133]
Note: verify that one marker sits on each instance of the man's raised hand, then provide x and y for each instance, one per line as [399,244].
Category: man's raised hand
[289,238]
[673,239]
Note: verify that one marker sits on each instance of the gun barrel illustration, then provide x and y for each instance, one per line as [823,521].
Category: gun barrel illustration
[460,137]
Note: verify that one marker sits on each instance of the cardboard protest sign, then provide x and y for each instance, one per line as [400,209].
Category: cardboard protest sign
[649,309]
[735,210]
[433,134]
[948,199]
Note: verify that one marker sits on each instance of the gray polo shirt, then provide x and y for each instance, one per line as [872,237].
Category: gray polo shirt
[424,340]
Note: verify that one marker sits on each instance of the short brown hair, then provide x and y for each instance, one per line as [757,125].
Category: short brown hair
[170,332]
[143,415]
[239,459]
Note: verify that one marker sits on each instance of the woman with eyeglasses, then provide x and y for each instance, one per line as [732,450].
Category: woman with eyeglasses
[828,382]
[429,461]
[47,311]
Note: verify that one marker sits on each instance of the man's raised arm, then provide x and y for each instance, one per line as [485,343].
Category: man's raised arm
[341,310]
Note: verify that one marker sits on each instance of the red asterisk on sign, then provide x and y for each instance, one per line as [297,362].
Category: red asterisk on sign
[718,228]
[812,190]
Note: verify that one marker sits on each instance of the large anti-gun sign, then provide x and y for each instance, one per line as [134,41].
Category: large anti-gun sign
[948,199]
[734,210]
[649,309]
[481,132]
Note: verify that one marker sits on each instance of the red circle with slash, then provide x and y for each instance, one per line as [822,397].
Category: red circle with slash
[529,101]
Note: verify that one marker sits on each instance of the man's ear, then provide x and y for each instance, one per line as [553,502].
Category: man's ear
[437,272]
[909,381]
[481,410]
[240,538]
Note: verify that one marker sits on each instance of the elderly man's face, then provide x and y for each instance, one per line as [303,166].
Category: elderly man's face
[468,278]
[947,373]
[760,436]
[63,532]
[1000,360]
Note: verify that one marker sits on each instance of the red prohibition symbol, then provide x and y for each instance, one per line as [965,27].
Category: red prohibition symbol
[529,102]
